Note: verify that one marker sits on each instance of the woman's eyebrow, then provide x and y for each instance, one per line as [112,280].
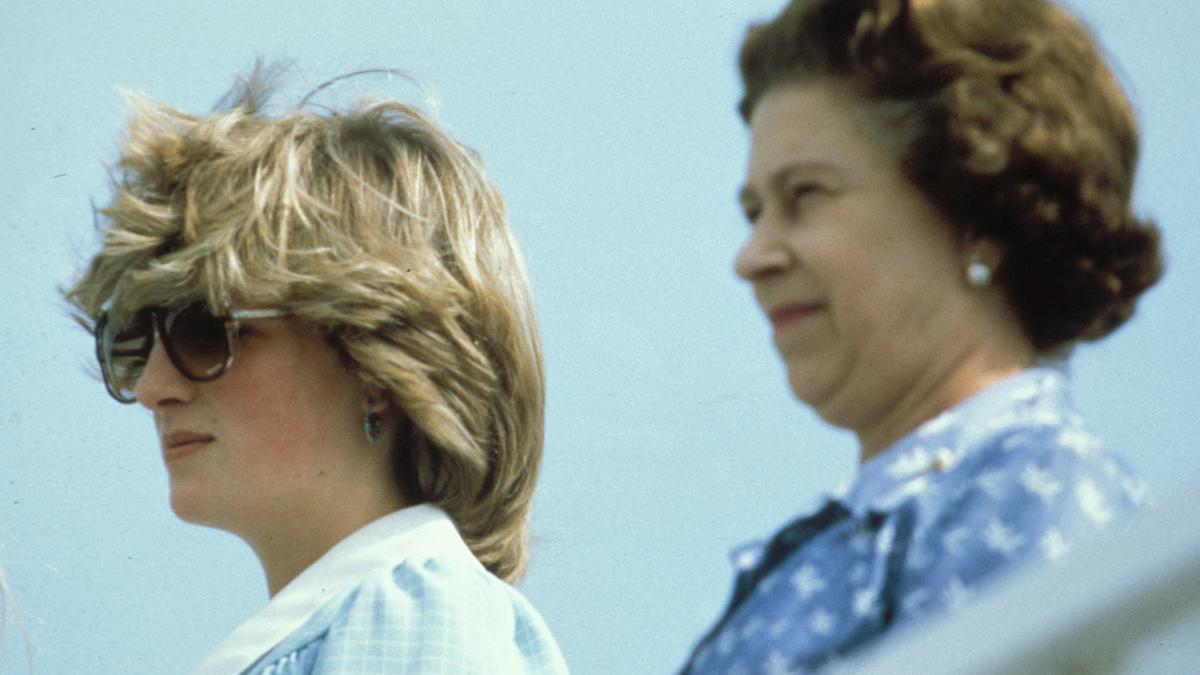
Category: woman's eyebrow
[778,179]
[802,169]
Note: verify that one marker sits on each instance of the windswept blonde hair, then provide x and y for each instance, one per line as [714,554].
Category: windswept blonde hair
[380,228]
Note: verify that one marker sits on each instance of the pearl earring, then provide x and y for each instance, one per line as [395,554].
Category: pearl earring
[979,273]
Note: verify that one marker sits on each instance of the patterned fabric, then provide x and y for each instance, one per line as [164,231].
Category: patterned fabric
[404,595]
[1007,477]
[429,618]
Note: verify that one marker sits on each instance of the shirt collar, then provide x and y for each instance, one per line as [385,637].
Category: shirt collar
[938,444]
[422,530]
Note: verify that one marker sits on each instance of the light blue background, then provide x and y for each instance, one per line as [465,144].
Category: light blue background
[610,128]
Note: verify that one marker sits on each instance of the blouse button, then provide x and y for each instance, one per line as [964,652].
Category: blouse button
[943,460]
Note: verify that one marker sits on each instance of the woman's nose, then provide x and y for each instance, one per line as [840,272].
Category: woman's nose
[161,382]
[764,253]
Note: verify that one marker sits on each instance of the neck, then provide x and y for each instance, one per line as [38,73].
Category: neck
[989,351]
[303,535]
[927,399]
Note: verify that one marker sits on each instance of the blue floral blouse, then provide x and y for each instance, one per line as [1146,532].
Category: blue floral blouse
[1008,477]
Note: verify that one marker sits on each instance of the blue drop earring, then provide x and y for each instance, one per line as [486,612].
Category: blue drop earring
[372,421]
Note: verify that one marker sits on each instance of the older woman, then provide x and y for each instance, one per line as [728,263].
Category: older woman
[939,194]
[330,321]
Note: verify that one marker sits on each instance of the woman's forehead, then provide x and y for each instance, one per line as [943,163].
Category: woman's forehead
[809,128]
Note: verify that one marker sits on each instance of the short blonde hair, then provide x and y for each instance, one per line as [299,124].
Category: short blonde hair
[380,228]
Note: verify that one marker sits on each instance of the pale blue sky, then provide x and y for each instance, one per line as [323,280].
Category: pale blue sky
[610,128]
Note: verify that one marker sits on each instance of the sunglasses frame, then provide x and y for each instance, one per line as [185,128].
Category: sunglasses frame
[158,327]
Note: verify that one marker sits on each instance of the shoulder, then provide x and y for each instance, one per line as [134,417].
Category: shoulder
[441,614]
[1056,471]
[1025,492]
[429,615]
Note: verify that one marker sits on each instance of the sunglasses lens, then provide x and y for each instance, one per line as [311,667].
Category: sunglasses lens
[198,341]
[123,352]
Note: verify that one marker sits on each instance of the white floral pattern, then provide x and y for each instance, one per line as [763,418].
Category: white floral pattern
[864,602]
[999,538]
[1007,477]
[821,622]
[1092,502]
[1054,545]
[1040,483]
[808,582]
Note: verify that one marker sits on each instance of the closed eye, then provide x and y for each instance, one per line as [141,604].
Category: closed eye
[799,197]
[750,202]
[802,190]
[751,212]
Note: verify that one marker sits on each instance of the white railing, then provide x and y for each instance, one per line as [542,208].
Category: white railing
[1129,605]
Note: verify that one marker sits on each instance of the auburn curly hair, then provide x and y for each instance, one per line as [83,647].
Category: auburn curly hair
[1010,121]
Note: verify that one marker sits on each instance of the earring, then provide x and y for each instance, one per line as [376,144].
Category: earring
[372,422]
[979,273]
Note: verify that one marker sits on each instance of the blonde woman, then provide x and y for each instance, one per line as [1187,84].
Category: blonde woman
[330,320]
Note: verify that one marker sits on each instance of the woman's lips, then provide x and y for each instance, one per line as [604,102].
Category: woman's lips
[786,316]
[180,444]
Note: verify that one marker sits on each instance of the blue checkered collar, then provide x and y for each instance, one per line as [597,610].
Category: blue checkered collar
[417,531]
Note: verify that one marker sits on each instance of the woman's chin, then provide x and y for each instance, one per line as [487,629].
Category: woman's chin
[191,506]
[823,395]
[807,385]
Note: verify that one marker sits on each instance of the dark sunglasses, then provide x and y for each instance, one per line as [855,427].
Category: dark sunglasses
[201,346]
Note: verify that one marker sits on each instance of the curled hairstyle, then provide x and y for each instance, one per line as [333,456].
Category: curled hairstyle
[375,225]
[1008,120]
